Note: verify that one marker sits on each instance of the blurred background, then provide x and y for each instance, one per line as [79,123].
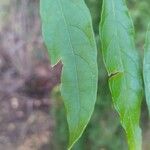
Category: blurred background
[31,109]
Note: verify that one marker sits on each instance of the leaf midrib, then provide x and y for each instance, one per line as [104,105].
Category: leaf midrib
[75,64]
[132,128]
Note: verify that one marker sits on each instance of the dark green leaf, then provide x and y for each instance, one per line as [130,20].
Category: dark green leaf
[68,34]
[123,66]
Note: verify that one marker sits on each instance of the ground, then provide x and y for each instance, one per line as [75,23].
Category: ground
[25,122]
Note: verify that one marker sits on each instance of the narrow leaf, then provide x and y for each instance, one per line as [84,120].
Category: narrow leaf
[68,34]
[123,65]
[146,68]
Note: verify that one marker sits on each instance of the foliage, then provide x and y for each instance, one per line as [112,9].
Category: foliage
[146,68]
[122,63]
[79,58]
[103,106]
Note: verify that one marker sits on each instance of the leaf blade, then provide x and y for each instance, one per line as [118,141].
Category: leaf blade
[122,63]
[69,36]
[146,68]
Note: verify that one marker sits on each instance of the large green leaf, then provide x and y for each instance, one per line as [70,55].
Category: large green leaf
[68,34]
[123,65]
[146,68]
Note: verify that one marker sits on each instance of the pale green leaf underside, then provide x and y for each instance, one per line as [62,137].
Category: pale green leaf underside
[146,68]
[122,63]
[68,34]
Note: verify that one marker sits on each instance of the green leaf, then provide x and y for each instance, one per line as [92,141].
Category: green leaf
[123,65]
[146,68]
[68,34]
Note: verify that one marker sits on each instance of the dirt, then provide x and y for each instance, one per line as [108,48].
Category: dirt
[25,122]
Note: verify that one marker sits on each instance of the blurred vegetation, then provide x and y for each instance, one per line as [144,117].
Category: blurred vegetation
[104,131]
